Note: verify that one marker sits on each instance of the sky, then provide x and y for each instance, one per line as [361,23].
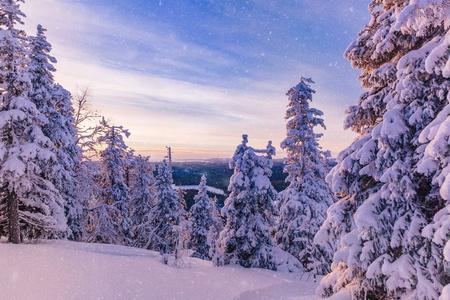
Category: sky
[196,75]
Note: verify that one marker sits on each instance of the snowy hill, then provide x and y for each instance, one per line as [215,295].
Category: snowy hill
[68,270]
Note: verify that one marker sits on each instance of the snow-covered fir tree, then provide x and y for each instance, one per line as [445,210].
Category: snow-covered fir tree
[214,231]
[249,209]
[167,212]
[202,219]
[390,186]
[112,210]
[54,102]
[143,197]
[30,205]
[305,201]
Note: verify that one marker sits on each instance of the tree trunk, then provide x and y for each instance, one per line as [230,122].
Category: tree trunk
[13,216]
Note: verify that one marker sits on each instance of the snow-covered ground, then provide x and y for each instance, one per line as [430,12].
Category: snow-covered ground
[68,270]
[210,189]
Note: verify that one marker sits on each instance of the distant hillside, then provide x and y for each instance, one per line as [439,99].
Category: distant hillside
[218,175]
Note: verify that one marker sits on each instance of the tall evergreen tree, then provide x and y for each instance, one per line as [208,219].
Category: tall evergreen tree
[54,102]
[143,198]
[112,211]
[167,212]
[202,220]
[30,205]
[388,194]
[305,201]
[249,209]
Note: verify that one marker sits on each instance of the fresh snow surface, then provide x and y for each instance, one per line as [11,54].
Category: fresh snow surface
[69,270]
[195,187]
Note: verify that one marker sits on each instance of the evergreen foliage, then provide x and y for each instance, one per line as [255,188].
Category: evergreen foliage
[202,221]
[112,210]
[54,102]
[249,209]
[30,205]
[390,188]
[167,212]
[305,201]
[143,197]
[214,231]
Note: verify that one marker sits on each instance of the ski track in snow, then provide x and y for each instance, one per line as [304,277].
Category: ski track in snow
[69,270]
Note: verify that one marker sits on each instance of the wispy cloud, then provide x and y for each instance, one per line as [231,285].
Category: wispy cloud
[200,91]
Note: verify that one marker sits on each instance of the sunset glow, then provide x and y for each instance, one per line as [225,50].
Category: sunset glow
[196,77]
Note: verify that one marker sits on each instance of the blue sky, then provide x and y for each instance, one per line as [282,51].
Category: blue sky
[195,75]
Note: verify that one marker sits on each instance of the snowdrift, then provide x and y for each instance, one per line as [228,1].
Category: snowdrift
[69,270]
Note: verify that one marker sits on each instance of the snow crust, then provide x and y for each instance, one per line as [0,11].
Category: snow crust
[69,270]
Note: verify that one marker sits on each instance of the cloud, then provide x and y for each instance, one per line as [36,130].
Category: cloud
[198,92]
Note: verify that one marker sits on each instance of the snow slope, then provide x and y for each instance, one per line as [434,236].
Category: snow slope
[68,270]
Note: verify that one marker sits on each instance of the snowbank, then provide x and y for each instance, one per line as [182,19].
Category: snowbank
[68,270]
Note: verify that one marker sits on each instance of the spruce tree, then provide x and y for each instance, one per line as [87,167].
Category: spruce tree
[388,192]
[249,209]
[202,219]
[167,212]
[54,102]
[305,201]
[112,211]
[30,205]
[143,197]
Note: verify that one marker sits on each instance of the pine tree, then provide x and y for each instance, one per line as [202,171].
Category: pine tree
[305,201]
[113,208]
[167,212]
[249,209]
[30,205]
[388,194]
[202,220]
[54,102]
[143,196]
